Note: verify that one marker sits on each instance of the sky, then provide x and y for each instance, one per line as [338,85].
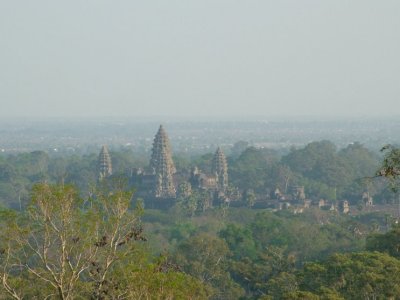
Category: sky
[97,58]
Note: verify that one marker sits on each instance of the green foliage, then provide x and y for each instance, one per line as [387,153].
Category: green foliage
[250,170]
[182,231]
[195,201]
[390,168]
[307,159]
[304,235]
[218,253]
[301,295]
[82,172]
[281,176]
[388,243]
[318,189]
[33,165]
[282,284]
[204,162]
[139,276]
[72,249]
[205,257]
[238,148]
[330,174]
[239,240]
[122,161]
[269,229]
[189,204]
[257,274]
[7,192]
[366,275]
[155,215]
[360,160]
[249,198]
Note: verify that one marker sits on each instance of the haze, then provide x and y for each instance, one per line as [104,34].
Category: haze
[208,58]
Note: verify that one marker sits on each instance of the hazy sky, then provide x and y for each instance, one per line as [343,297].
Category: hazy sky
[204,57]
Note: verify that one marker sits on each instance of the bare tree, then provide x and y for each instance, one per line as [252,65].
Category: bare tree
[65,242]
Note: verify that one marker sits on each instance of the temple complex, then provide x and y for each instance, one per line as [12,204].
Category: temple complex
[104,163]
[160,184]
[162,166]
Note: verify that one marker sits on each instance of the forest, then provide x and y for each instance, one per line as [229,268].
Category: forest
[64,235]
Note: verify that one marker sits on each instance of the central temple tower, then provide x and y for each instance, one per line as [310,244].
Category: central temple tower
[162,166]
[220,169]
[104,164]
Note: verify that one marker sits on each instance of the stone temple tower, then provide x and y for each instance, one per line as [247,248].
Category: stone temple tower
[220,169]
[104,163]
[162,166]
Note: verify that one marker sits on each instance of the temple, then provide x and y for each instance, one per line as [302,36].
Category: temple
[217,180]
[161,186]
[220,170]
[162,166]
[104,164]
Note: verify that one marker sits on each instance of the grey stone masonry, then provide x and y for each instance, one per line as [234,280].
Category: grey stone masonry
[104,163]
[220,169]
[162,166]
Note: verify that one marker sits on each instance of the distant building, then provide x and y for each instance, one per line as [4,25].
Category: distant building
[104,164]
[162,166]
[344,207]
[220,169]
[202,181]
[298,193]
[367,199]
[217,181]
[159,184]
[279,195]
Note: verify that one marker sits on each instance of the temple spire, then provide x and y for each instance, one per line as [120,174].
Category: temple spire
[162,166]
[220,169]
[104,163]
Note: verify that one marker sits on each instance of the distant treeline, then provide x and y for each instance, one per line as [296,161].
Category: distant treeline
[325,171]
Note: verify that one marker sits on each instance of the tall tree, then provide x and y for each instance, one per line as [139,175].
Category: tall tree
[62,239]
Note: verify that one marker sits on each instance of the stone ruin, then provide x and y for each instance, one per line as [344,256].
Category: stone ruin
[162,166]
[104,164]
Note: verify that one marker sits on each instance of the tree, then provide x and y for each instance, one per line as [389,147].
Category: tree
[189,204]
[194,201]
[238,148]
[388,243]
[249,170]
[204,200]
[390,168]
[363,275]
[57,170]
[306,159]
[269,272]
[160,279]
[239,240]
[322,167]
[283,283]
[283,177]
[205,257]
[360,160]
[249,198]
[81,172]
[66,243]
